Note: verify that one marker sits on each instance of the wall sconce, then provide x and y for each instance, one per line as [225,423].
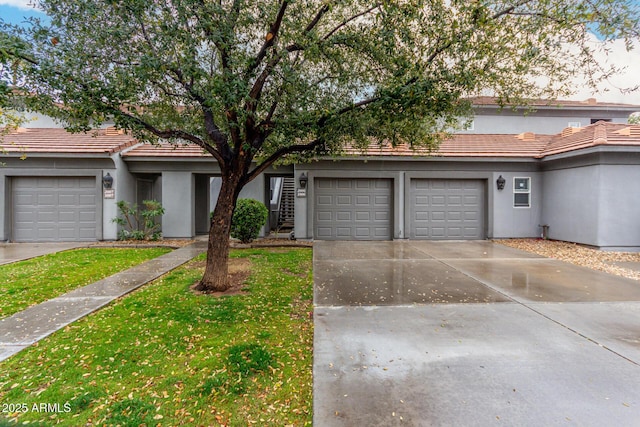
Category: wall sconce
[500,182]
[107,181]
[303,180]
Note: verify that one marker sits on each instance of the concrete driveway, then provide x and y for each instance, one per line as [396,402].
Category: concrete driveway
[470,334]
[12,252]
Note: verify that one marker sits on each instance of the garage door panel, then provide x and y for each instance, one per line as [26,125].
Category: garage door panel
[382,232]
[324,233]
[54,209]
[435,216]
[363,216]
[382,201]
[343,200]
[438,201]
[87,217]
[454,216]
[360,209]
[382,216]
[363,200]
[45,184]
[66,216]
[46,199]
[87,233]
[323,216]
[68,200]
[422,201]
[323,184]
[343,216]
[343,184]
[455,209]
[324,200]
[343,232]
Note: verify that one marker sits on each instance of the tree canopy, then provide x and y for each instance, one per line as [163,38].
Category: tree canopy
[259,81]
[276,75]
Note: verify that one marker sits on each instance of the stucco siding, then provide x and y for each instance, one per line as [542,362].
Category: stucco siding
[571,204]
[619,207]
[541,122]
[516,222]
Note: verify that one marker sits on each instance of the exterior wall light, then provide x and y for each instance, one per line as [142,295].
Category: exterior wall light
[303,180]
[107,181]
[500,182]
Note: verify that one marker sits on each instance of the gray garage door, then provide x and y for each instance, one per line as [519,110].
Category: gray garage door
[49,209]
[447,209]
[353,209]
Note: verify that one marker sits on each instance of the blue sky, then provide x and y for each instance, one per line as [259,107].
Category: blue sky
[9,11]
[15,11]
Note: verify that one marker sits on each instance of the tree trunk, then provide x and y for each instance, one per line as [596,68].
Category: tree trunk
[216,273]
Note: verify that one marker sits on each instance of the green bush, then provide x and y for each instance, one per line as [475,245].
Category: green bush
[139,224]
[248,218]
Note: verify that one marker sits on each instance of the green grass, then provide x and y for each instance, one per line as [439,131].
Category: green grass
[25,283]
[166,356]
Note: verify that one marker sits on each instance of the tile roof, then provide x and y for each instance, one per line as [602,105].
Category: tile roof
[598,134]
[525,145]
[56,140]
[167,150]
[467,145]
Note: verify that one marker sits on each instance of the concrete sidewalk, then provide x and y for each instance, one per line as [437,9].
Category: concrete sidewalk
[35,323]
[470,334]
[12,252]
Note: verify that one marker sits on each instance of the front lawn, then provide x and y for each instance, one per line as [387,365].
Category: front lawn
[166,356]
[25,283]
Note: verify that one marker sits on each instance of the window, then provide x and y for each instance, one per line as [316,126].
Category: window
[599,120]
[469,125]
[521,192]
[574,125]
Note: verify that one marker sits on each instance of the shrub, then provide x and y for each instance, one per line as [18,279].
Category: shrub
[139,224]
[248,218]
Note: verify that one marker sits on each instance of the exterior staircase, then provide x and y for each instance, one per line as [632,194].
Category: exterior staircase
[287,204]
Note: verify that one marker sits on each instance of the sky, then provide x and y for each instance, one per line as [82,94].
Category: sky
[14,11]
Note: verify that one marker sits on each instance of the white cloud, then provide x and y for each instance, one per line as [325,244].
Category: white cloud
[630,77]
[21,4]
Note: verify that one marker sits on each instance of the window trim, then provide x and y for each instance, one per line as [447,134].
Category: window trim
[517,191]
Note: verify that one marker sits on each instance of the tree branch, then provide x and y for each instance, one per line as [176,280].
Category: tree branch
[269,39]
[298,148]
[171,133]
[348,20]
[510,9]
[324,9]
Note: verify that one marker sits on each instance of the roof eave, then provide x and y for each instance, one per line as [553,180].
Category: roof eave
[604,148]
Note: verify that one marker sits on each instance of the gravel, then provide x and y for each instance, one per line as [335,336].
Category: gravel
[609,262]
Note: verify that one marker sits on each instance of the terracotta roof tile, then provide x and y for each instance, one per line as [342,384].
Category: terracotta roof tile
[468,145]
[56,140]
[167,150]
[525,145]
[601,133]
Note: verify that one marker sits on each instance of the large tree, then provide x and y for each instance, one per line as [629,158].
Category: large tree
[254,82]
